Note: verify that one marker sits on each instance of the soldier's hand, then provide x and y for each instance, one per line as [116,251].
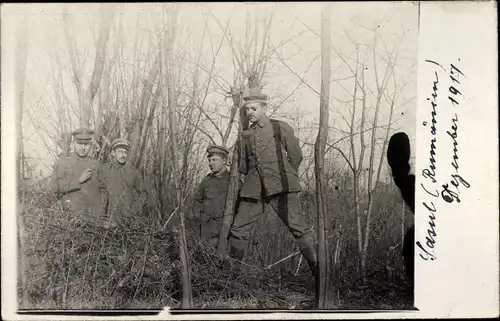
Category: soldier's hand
[86,175]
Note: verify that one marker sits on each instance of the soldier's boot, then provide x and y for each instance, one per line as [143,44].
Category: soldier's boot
[309,254]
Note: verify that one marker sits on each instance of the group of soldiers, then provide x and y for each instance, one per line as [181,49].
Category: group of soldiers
[269,160]
[85,186]
[270,157]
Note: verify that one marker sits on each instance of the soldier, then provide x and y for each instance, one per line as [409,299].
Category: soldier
[398,157]
[74,180]
[270,159]
[117,183]
[210,198]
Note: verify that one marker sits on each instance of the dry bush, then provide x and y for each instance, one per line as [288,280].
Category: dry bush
[73,262]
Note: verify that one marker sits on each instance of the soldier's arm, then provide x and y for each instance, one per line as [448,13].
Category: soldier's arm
[63,182]
[240,148]
[103,189]
[198,199]
[292,146]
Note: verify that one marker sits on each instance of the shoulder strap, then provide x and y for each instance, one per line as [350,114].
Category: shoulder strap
[277,129]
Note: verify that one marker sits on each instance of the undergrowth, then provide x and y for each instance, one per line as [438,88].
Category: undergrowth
[72,262]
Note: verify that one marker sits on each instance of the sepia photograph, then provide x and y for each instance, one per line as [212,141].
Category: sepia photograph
[215,155]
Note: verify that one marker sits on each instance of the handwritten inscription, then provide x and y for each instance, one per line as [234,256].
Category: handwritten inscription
[448,191]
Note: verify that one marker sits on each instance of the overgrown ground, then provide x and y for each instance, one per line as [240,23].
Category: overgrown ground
[73,263]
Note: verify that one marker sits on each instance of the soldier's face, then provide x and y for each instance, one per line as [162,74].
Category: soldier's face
[121,155]
[216,162]
[254,111]
[82,149]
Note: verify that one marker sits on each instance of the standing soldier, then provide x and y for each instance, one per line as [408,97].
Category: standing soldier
[398,157]
[270,158]
[74,180]
[210,198]
[117,183]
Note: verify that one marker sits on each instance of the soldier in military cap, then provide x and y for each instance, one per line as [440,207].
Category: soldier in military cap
[210,198]
[270,159]
[74,180]
[121,186]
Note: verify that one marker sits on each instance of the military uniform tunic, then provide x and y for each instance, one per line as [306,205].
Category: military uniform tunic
[76,196]
[270,158]
[209,204]
[122,190]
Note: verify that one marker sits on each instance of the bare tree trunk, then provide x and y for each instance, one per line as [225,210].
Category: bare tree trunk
[140,115]
[187,297]
[147,128]
[234,176]
[360,171]
[190,128]
[253,73]
[22,53]
[161,165]
[381,88]
[319,156]
[86,97]
[232,116]
[389,123]
[75,64]
[356,168]
[107,15]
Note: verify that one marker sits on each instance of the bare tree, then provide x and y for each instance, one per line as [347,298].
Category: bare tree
[136,137]
[187,297]
[363,189]
[86,94]
[249,69]
[319,156]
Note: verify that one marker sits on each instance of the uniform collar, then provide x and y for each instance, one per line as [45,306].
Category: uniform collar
[78,158]
[114,163]
[264,120]
[223,172]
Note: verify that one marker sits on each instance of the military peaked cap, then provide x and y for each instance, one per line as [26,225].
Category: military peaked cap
[254,95]
[217,149]
[120,143]
[82,134]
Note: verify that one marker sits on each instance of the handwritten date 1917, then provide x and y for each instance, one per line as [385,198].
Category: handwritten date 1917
[450,190]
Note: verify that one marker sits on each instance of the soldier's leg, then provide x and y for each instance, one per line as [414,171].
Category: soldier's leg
[210,232]
[288,208]
[249,211]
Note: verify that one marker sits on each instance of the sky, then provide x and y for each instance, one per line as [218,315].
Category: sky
[294,34]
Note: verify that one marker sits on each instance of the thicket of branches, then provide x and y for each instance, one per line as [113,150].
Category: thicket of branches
[170,92]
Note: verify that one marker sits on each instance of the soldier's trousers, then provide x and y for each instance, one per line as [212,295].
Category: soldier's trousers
[210,230]
[288,208]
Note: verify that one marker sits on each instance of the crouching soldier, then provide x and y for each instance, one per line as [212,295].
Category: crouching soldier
[74,179]
[210,198]
[122,189]
[270,158]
